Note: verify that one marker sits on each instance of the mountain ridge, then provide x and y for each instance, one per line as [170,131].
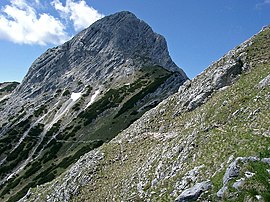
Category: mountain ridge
[110,35]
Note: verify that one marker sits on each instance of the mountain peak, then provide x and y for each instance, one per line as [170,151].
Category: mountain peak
[118,17]
[124,33]
[112,46]
[126,14]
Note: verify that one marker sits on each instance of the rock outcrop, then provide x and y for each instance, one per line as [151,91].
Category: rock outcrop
[265,82]
[194,192]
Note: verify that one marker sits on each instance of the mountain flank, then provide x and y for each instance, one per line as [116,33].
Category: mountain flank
[207,142]
[79,95]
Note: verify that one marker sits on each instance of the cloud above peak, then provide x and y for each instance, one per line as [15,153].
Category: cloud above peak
[23,23]
[263,4]
[79,13]
[20,23]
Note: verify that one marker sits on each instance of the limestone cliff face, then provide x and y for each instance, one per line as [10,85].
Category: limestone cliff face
[103,55]
[111,48]
[80,94]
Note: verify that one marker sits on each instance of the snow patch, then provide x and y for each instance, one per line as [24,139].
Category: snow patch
[75,96]
[64,109]
[93,98]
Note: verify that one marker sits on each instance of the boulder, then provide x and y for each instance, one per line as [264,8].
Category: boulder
[194,192]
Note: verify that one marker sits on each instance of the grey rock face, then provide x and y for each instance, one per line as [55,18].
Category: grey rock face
[265,82]
[238,184]
[217,76]
[113,45]
[232,171]
[101,55]
[190,176]
[194,192]
[266,160]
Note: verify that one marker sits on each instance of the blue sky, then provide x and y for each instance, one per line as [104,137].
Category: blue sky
[197,32]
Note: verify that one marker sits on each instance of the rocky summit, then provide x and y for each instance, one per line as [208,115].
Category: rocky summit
[79,95]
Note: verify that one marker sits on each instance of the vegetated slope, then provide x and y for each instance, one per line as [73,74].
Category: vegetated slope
[79,95]
[209,141]
[6,89]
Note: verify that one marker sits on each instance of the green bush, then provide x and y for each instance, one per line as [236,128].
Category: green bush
[40,111]
[49,177]
[14,155]
[66,93]
[88,91]
[36,130]
[13,135]
[21,193]
[51,153]
[10,87]
[22,151]
[77,106]
[42,176]
[140,95]
[11,185]
[111,99]
[69,134]
[54,129]
[33,169]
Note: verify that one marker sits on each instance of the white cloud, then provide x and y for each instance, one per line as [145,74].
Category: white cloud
[264,3]
[20,23]
[79,13]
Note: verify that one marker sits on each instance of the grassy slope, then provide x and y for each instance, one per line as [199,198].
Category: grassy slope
[207,136]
